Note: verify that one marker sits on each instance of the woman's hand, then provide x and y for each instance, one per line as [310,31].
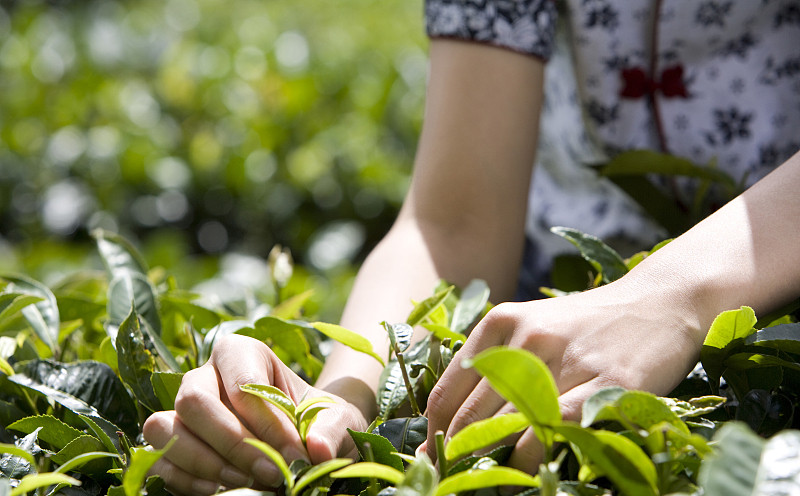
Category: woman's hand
[621,334]
[213,417]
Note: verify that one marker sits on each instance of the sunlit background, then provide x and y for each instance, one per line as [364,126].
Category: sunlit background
[207,131]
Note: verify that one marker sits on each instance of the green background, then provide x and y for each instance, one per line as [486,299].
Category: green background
[207,131]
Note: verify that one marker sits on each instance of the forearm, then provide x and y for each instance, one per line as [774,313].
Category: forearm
[746,253]
[463,217]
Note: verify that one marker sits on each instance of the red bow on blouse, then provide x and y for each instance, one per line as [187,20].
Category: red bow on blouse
[636,83]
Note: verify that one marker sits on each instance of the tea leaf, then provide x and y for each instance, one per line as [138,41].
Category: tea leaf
[276,458]
[290,308]
[420,480]
[142,459]
[82,444]
[13,450]
[483,433]
[318,471]
[774,475]
[604,259]
[303,405]
[443,332]
[84,458]
[728,330]
[272,395]
[12,303]
[523,379]
[405,434]
[615,456]
[53,431]
[135,361]
[166,385]
[399,335]
[784,337]
[42,316]
[471,305]
[35,481]
[128,288]
[348,338]
[370,470]
[306,419]
[733,469]
[383,452]
[472,480]
[422,310]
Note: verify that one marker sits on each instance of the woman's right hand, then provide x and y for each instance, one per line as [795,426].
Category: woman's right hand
[213,417]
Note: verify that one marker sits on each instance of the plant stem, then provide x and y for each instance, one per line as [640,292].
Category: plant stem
[440,458]
[407,381]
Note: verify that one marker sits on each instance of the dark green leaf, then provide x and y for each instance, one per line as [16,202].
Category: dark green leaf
[603,258]
[405,434]
[382,449]
[399,336]
[96,387]
[166,385]
[127,288]
[53,431]
[200,316]
[135,362]
[118,254]
[643,162]
[470,305]
[392,392]
[82,444]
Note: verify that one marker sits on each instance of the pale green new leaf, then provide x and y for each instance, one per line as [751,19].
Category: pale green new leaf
[272,395]
[483,433]
[142,459]
[523,379]
[303,405]
[276,458]
[472,480]
[727,329]
[614,456]
[84,458]
[307,418]
[13,303]
[318,471]
[370,470]
[422,310]
[32,482]
[348,338]
[443,332]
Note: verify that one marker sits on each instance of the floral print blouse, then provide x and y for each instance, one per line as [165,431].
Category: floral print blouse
[708,80]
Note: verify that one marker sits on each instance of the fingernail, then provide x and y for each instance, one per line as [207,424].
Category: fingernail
[235,478]
[202,486]
[267,472]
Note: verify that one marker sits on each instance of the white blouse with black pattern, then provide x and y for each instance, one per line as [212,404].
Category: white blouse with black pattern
[701,79]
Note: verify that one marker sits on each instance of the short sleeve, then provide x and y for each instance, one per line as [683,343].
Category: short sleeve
[526,26]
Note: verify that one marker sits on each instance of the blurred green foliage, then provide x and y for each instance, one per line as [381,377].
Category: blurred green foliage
[206,127]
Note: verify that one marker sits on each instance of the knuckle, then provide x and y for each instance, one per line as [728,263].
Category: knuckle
[436,399]
[190,398]
[157,426]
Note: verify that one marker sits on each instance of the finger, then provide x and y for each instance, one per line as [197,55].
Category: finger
[572,400]
[328,438]
[456,384]
[482,403]
[189,453]
[528,453]
[202,412]
[262,366]
[180,482]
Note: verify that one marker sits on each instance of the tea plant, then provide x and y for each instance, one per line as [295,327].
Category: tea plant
[83,363]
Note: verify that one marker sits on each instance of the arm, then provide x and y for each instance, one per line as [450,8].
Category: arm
[645,330]
[463,218]
[464,214]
